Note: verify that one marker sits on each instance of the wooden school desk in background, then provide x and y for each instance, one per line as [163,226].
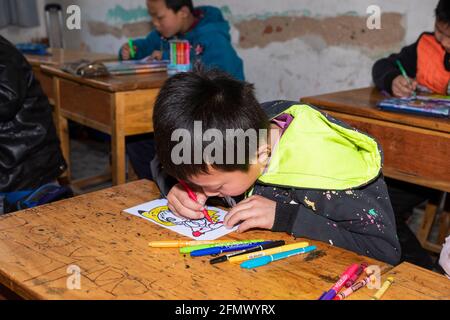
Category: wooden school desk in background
[58,57]
[416,148]
[42,247]
[119,106]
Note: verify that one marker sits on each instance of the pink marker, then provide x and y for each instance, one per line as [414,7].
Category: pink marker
[355,277]
[187,53]
[338,286]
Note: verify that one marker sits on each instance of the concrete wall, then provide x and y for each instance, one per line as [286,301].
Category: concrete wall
[291,48]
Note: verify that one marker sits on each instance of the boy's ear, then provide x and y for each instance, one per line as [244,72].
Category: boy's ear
[263,153]
[184,12]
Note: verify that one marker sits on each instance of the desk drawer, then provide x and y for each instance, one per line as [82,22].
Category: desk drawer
[86,105]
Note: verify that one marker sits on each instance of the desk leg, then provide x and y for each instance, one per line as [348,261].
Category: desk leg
[432,212]
[444,221]
[62,127]
[118,140]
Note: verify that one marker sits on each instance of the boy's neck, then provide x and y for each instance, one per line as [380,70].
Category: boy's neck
[272,139]
[189,22]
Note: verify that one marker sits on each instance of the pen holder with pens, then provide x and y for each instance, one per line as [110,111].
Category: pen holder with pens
[180,57]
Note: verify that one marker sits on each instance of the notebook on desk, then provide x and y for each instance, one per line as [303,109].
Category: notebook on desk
[135,66]
[429,105]
[86,68]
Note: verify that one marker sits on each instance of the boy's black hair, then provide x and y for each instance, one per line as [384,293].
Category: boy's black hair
[176,5]
[220,102]
[443,11]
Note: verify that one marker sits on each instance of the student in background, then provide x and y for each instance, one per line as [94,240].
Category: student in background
[426,61]
[427,64]
[209,36]
[30,154]
[310,175]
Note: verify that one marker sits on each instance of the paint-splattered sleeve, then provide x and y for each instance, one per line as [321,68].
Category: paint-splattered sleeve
[359,220]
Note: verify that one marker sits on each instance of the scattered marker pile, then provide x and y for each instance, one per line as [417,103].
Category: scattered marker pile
[249,253]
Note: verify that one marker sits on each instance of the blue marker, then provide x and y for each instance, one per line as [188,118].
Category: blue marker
[218,250]
[262,261]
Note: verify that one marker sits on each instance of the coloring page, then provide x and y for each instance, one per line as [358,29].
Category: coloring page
[157,212]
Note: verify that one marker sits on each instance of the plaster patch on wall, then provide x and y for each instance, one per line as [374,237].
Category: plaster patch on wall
[122,15]
[302,71]
[236,18]
[128,30]
[345,30]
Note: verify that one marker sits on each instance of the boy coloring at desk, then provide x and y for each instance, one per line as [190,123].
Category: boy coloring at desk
[204,27]
[306,174]
[426,61]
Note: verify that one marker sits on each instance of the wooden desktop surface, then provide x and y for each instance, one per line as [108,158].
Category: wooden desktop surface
[110,247]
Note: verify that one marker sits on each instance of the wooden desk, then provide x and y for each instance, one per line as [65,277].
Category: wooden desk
[416,148]
[58,57]
[412,283]
[110,247]
[119,106]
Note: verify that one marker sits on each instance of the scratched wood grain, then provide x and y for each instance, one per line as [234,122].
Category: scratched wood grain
[415,283]
[111,249]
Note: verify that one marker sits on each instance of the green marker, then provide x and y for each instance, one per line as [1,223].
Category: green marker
[173,50]
[132,52]
[204,246]
[403,71]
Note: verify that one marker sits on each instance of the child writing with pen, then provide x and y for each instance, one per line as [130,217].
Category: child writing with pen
[423,65]
[306,174]
[205,28]
[426,62]
[209,36]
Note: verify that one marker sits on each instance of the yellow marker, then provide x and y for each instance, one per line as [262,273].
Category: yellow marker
[384,287]
[182,243]
[267,252]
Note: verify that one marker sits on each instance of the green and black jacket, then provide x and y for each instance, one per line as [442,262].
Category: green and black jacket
[326,179]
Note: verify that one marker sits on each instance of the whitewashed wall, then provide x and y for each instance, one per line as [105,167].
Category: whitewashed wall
[289,67]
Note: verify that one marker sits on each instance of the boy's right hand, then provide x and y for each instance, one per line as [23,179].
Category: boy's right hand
[402,88]
[181,205]
[125,51]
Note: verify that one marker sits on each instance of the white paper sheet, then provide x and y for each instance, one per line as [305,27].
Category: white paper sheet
[157,212]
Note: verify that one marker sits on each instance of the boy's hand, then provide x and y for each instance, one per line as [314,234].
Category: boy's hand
[402,88]
[255,212]
[125,51]
[156,55]
[181,205]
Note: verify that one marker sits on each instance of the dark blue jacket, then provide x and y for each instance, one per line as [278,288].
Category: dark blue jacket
[210,43]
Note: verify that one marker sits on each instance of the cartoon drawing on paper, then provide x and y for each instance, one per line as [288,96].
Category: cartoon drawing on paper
[164,216]
[158,212]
